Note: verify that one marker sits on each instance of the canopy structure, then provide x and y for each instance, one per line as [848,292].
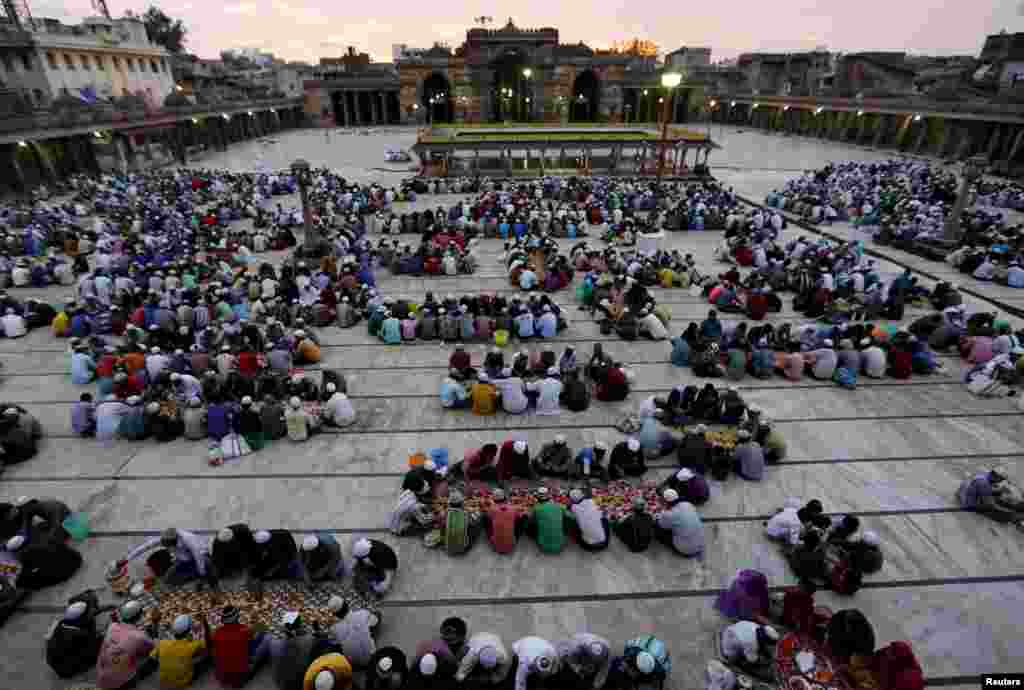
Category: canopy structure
[545,149]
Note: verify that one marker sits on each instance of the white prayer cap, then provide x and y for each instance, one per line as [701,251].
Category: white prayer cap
[361,548]
[225,535]
[428,665]
[335,603]
[743,433]
[310,543]
[182,624]
[701,428]
[519,446]
[385,664]
[576,495]
[771,633]
[154,350]
[15,542]
[22,500]
[684,475]
[247,400]
[633,444]
[331,387]
[295,402]
[870,538]
[828,342]
[670,495]
[261,537]
[175,376]
[75,611]
[324,680]
[560,439]
[600,445]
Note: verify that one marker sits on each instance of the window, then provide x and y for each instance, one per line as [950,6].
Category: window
[117,63]
[52,59]
[156,70]
[85,62]
[163,65]
[68,62]
[130,63]
[99,62]
[40,97]
[26,61]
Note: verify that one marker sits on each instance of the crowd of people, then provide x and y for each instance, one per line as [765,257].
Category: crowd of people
[314,657]
[907,204]
[485,317]
[542,380]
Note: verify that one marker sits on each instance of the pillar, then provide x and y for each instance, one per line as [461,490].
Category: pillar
[880,127]
[374,108]
[1018,141]
[966,143]
[147,148]
[17,180]
[993,142]
[922,136]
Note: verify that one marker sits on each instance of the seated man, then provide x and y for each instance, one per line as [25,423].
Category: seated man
[275,557]
[238,651]
[375,566]
[589,463]
[191,555]
[588,525]
[183,659]
[321,558]
[680,527]
[749,646]
[548,523]
[989,493]
[584,662]
[636,530]
[555,459]
[231,551]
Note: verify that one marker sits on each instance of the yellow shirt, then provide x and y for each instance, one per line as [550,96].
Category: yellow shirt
[329,662]
[484,396]
[176,657]
[60,324]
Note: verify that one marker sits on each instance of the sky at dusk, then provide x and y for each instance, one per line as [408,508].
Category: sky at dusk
[310,29]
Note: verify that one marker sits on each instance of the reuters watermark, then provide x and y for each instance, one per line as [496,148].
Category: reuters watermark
[1002,680]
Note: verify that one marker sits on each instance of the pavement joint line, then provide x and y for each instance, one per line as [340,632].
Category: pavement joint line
[542,427]
[381,475]
[823,385]
[631,596]
[720,519]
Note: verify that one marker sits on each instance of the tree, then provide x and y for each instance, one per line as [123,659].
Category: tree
[164,31]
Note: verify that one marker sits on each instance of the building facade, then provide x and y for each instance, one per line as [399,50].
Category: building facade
[97,60]
[496,75]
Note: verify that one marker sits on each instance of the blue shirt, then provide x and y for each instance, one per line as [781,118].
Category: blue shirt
[547,326]
[391,331]
[452,392]
[524,325]
[1015,277]
[527,280]
[83,368]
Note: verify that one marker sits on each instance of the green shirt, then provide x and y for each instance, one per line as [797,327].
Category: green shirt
[550,520]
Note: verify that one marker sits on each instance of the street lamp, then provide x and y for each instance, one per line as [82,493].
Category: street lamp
[525,89]
[669,80]
[311,244]
[973,169]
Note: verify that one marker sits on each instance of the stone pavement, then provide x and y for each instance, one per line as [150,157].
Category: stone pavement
[891,451]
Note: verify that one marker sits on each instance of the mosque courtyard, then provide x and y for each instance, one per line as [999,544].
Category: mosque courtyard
[892,452]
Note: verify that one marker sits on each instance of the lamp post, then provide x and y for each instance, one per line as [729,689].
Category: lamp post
[526,90]
[973,169]
[669,80]
[311,240]
[711,111]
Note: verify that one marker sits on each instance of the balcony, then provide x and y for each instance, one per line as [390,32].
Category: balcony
[909,104]
[49,125]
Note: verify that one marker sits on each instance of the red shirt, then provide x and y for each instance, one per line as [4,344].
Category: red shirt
[138,317]
[248,363]
[105,367]
[757,306]
[501,529]
[231,654]
[459,360]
